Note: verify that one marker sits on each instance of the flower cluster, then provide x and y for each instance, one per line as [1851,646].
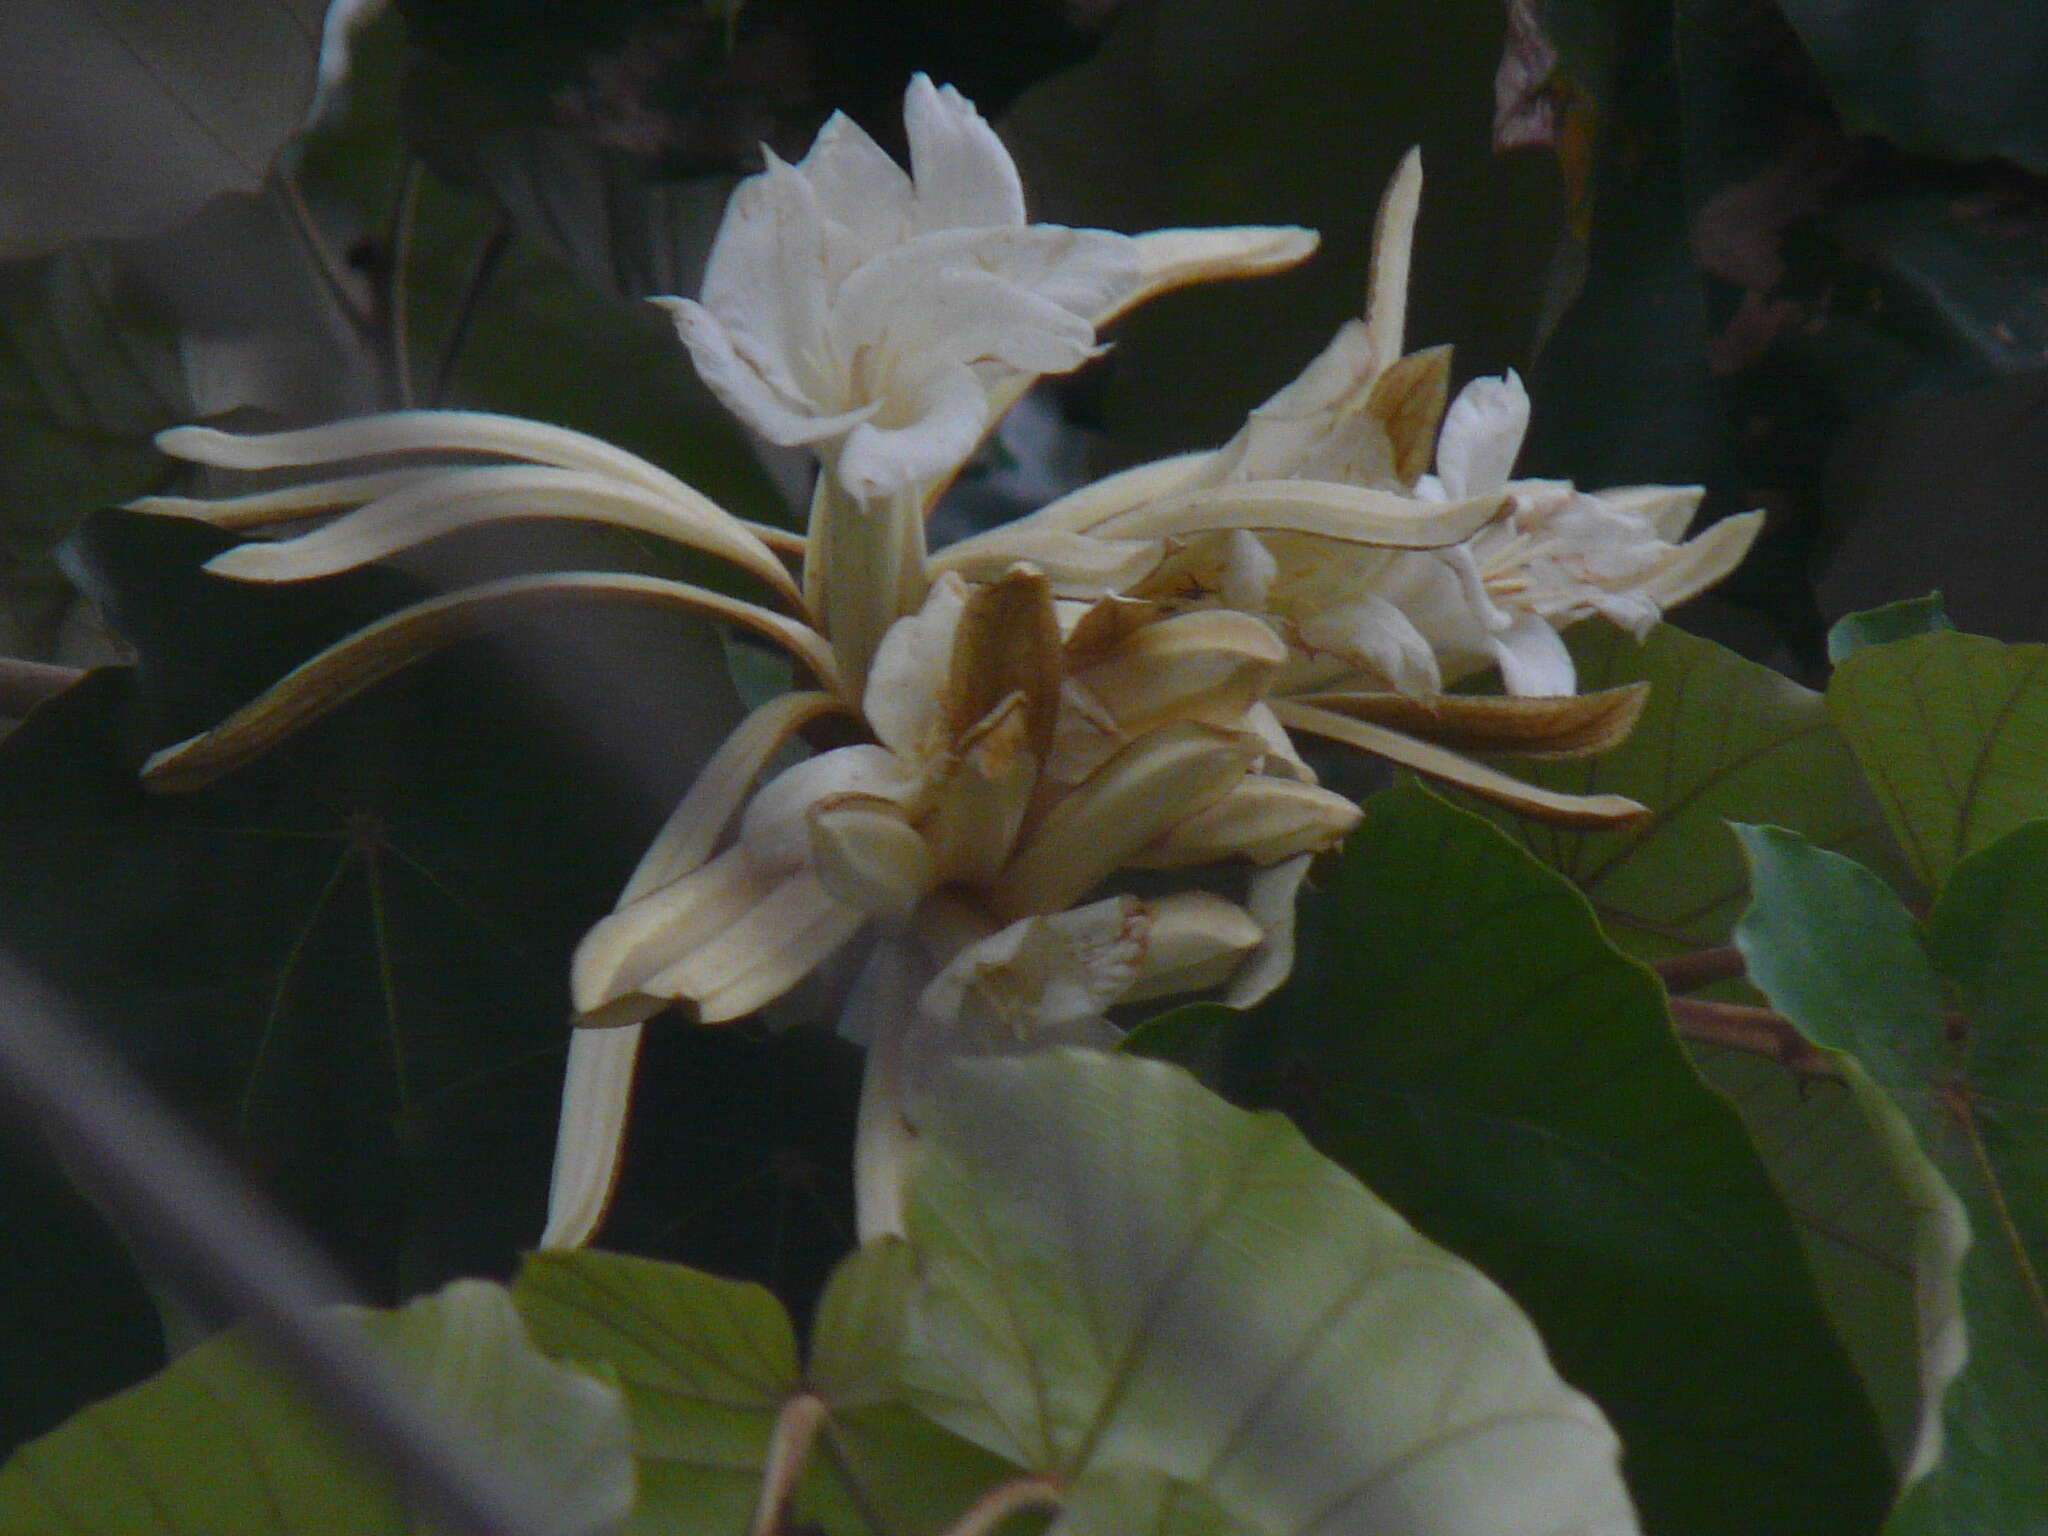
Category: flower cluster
[1111,685]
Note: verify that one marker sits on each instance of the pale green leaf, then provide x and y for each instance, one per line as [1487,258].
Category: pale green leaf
[1840,957]
[1952,730]
[218,1445]
[1880,626]
[1119,1270]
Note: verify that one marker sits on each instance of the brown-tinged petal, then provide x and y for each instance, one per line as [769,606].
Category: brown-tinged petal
[1346,514]
[1546,729]
[375,652]
[866,854]
[1434,762]
[1261,821]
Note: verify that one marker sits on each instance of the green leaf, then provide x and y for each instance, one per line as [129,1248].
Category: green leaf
[88,373]
[704,1365]
[349,961]
[1960,80]
[1120,1271]
[1460,1036]
[1722,738]
[1952,731]
[123,116]
[707,1365]
[1840,957]
[1880,626]
[219,1445]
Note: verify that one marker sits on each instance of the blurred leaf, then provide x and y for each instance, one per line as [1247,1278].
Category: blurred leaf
[1122,1277]
[219,1445]
[1881,626]
[1721,738]
[120,117]
[1952,731]
[87,376]
[1839,956]
[1460,1036]
[1961,80]
[76,1323]
[706,1365]
[350,961]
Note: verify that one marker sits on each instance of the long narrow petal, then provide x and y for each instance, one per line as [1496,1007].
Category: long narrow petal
[721,788]
[1126,803]
[1578,725]
[597,1090]
[1393,248]
[650,933]
[468,498]
[1348,514]
[1174,258]
[1096,503]
[1436,763]
[1077,565]
[290,503]
[345,669]
[363,437]
[1702,561]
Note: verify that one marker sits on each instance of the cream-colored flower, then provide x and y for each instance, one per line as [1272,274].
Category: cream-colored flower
[887,318]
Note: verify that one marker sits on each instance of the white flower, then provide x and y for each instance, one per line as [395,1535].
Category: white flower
[888,318]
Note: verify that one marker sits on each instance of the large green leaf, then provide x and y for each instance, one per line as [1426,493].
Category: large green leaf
[1188,1319]
[1721,738]
[87,375]
[1956,80]
[219,1445]
[350,961]
[1460,1035]
[1846,963]
[1953,731]
[707,1365]
[120,117]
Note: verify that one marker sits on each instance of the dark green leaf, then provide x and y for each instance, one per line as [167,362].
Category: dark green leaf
[1460,1035]
[351,960]
[1880,626]
[1846,963]
[1961,80]
[1721,738]
[123,116]
[219,1445]
[1953,732]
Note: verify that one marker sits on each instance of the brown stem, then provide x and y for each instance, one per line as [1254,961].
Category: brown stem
[1004,1500]
[1758,1031]
[1700,968]
[25,684]
[789,1448]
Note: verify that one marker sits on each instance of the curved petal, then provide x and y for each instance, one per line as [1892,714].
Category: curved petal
[905,698]
[739,382]
[775,828]
[1077,565]
[1533,659]
[468,498]
[1348,514]
[948,417]
[964,176]
[346,668]
[1434,762]
[1174,258]
[1393,248]
[1260,821]
[761,953]
[364,437]
[1546,729]
[289,503]
[1702,561]
[857,183]
[1271,903]
[1092,505]
[1482,435]
[597,1091]
[647,935]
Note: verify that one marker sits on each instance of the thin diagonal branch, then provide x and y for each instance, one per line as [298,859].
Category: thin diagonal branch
[225,1253]
[1700,968]
[1758,1031]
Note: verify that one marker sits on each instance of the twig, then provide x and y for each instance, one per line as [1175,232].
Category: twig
[224,1253]
[25,684]
[789,1448]
[331,271]
[488,255]
[404,215]
[1700,968]
[1758,1031]
[1004,1500]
